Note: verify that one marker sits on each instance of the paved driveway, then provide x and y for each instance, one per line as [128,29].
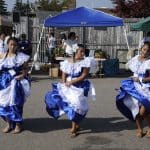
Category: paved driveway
[103,129]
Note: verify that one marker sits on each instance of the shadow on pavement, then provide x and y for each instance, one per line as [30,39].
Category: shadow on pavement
[89,125]
[99,125]
[37,79]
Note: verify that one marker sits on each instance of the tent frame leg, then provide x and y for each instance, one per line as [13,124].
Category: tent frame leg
[37,51]
[125,33]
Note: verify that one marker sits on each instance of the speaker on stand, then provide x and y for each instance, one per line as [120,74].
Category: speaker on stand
[16,17]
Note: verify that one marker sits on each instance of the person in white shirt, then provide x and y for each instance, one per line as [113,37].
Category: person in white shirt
[69,43]
[51,46]
[3,45]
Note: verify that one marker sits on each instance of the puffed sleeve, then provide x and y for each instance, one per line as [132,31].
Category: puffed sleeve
[91,63]
[133,64]
[147,65]
[1,63]
[22,58]
[86,62]
[64,66]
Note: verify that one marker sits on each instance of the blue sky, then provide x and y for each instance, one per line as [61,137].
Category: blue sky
[88,3]
[94,3]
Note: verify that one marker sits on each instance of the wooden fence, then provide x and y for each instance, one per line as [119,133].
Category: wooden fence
[111,40]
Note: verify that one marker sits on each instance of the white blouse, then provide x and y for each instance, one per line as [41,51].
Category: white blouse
[137,66]
[69,68]
[17,60]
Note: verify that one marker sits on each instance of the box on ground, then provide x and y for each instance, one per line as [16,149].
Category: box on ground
[54,71]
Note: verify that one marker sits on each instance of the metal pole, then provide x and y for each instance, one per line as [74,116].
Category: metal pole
[125,33]
[38,47]
[27,9]
[37,51]
[84,36]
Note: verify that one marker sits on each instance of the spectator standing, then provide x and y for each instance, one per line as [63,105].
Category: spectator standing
[25,45]
[3,45]
[69,43]
[51,46]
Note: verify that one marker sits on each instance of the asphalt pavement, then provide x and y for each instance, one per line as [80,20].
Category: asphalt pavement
[103,129]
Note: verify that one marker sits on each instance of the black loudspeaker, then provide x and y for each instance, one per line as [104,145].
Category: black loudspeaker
[16,17]
[111,67]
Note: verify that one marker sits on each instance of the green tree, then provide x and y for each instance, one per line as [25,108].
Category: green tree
[55,5]
[23,8]
[44,5]
[18,5]
[3,8]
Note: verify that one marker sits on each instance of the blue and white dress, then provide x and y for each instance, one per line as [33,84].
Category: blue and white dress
[133,94]
[13,93]
[73,100]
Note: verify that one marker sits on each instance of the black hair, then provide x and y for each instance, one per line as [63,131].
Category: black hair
[23,35]
[14,31]
[146,43]
[71,34]
[12,39]
[148,34]
[2,33]
[81,46]
[52,34]
[63,36]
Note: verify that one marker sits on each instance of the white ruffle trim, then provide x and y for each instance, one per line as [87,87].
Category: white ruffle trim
[69,68]
[74,97]
[19,60]
[7,95]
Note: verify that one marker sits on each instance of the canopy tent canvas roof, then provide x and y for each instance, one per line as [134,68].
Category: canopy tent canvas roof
[83,17]
[143,25]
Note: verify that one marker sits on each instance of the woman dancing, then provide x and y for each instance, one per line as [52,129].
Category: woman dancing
[70,96]
[14,86]
[133,99]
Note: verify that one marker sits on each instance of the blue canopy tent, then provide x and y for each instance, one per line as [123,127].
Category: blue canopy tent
[82,17]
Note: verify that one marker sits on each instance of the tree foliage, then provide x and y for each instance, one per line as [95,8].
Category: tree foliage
[23,8]
[3,8]
[54,5]
[18,5]
[132,8]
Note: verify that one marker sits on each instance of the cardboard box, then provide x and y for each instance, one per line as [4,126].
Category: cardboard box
[54,72]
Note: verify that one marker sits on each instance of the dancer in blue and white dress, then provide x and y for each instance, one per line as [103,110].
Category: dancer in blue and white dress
[133,100]
[70,96]
[14,86]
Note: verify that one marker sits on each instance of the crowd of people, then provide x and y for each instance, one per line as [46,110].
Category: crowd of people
[70,95]
[66,97]
[64,43]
